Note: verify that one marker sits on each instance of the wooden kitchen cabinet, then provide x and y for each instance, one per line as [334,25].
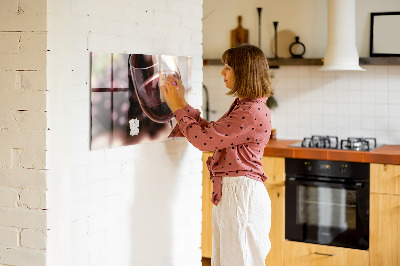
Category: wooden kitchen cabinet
[274,168]
[277,233]
[385,215]
[384,236]
[385,178]
[305,254]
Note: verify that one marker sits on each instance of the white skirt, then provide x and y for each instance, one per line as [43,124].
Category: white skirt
[241,223]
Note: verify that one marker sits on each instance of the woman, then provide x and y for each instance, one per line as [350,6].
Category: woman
[242,208]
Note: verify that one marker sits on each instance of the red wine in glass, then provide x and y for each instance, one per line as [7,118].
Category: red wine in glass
[147,70]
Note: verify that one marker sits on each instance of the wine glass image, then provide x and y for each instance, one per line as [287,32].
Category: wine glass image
[148,74]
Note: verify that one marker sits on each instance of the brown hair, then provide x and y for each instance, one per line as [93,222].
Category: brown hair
[250,66]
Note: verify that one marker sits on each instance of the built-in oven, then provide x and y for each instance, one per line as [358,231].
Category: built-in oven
[327,202]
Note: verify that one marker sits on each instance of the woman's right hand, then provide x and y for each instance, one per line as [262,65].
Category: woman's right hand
[181,91]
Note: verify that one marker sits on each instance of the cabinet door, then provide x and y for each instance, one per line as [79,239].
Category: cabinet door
[277,233]
[384,230]
[385,178]
[206,232]
[304,254]
[274,168]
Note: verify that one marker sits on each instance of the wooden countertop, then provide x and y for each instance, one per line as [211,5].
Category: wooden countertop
[389,154]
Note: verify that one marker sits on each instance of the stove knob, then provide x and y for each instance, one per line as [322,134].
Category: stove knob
[343,168]
[308,166]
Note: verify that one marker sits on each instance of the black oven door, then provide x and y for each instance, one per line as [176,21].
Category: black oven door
[327,212]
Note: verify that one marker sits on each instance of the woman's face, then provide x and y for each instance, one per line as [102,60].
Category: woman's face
[229,76]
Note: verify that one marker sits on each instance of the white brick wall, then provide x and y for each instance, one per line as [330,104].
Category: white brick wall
[135,205]
[23,132]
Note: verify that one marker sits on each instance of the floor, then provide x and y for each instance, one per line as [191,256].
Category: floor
[206,261]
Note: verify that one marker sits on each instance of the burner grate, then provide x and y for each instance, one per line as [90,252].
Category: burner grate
[327,142]
[358,144]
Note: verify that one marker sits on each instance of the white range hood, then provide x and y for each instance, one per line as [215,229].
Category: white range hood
[341,51]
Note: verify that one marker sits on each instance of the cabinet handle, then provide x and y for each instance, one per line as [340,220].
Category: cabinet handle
[324,254]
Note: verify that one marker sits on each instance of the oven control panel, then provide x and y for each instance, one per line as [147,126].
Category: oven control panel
[338,169]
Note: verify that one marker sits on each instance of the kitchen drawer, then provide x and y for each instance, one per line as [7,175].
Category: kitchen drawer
[305,254]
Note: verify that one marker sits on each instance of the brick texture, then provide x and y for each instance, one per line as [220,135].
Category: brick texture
[23,126]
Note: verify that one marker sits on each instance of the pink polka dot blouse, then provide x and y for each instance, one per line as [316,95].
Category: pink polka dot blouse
[238,139]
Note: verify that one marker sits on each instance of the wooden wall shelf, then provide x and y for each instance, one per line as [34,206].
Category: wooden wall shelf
[380,61]
[273,63]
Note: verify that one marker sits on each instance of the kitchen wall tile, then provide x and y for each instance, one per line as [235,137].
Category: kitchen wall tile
[293,120]
[354,122]
[304,108]
[394,123]
[355,96]
[369,70]
[328,74]
[381,136]
[380,71]
[304,131]
[317,108]
[317,121]
[278,71]
[317,131]
[381,97]
[303,82]
[354,80]
[329,122]
[329,93]
[381,110]
[331,131]
[368,122]
[355,109]
[305,95]
[394,110]
[316,82]
[367,96]
[317,95]
[367,82]
[380,84]
[292,82]
[342,109]
[329,109]
[342,133]
[394,97]
[367,110]
[342,122]
[394,137]
[315,72]
[355,132]
[342,96]
[382,123]
[291,71]
[278,83]
[394,82]
[304,72]
[367,133]
[342,80]
[291,132]
[394,71]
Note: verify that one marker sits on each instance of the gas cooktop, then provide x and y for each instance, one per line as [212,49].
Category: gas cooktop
[332,142]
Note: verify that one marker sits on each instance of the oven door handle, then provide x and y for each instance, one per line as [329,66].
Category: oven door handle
[357,185]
